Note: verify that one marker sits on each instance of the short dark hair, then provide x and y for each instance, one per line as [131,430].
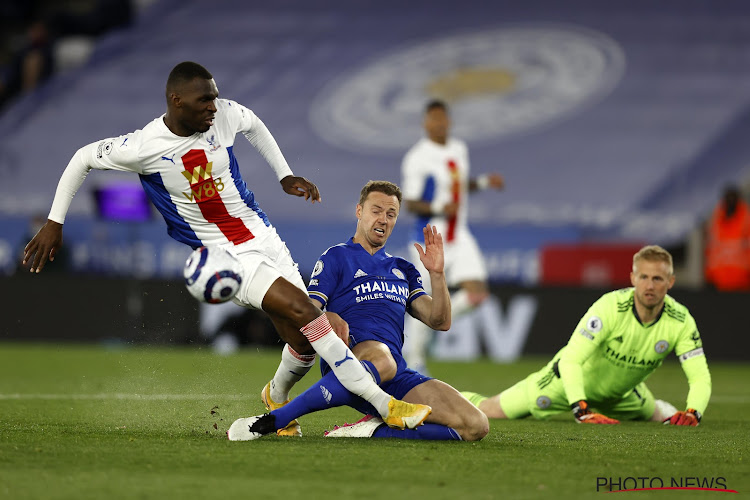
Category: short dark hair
[185,72]
[385,187]
[435,104]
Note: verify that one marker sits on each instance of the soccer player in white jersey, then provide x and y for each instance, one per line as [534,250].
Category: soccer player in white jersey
[188,169]
[622,339]
[436,183]
[373,290]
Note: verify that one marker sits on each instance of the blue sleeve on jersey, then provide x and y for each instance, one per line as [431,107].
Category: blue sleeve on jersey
[416,288]
[324,278]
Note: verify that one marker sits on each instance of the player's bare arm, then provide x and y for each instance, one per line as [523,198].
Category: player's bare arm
[44,245]
[299,186]
[433,311]
[425,208]
[487,181]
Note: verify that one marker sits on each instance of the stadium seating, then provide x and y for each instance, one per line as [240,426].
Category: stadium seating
[616,122]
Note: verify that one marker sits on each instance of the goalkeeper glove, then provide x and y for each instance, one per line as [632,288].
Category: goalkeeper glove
[688,417]
[585,416]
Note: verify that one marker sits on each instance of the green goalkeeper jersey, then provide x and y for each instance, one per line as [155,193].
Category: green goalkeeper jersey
[611,351]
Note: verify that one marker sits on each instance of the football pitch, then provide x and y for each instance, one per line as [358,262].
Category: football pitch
[89,422]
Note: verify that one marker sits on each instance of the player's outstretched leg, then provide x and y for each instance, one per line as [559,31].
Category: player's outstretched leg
[251,428]
[292,429]
[345,366]
[489,405]
[371,426]
[364,428]
[403,415]
[287,308]
[328,392]
[450,409]
[417,338]
[474,398]
[292,367]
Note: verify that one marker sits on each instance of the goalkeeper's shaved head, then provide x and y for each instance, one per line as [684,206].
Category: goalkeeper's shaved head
[183,73]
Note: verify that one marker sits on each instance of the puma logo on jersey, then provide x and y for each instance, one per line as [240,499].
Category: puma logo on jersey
[169,159]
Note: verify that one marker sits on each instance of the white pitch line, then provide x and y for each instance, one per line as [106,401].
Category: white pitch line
[233,397]
[123,396]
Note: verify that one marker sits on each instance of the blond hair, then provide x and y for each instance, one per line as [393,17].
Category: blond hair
[654,253]
[385,187]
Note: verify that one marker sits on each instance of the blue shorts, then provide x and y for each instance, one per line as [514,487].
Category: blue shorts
[404,381]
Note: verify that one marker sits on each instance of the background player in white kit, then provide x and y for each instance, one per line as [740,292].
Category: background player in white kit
[436,184]
[187,167]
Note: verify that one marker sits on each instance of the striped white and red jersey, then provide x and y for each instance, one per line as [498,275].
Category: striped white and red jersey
[193,181]
[438,174]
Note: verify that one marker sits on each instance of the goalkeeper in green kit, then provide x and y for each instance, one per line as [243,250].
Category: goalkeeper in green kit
[600,373]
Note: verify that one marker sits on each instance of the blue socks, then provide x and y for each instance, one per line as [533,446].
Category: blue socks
[326,393]
[431,432]
[329,393]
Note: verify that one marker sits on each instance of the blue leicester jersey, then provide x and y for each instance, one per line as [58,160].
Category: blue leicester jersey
[371,292]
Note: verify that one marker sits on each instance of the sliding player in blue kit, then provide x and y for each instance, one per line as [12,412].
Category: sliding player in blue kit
[372,290]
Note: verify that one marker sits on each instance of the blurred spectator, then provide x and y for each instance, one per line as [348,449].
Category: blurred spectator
[31,58]
[227,329]
[728,243]
[28,55]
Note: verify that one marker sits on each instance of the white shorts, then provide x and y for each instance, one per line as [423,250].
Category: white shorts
[463,261]
[265,259]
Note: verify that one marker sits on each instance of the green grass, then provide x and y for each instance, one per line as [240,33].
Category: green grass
[85,422]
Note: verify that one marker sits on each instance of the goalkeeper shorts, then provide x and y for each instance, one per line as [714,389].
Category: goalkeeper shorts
[525,398]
